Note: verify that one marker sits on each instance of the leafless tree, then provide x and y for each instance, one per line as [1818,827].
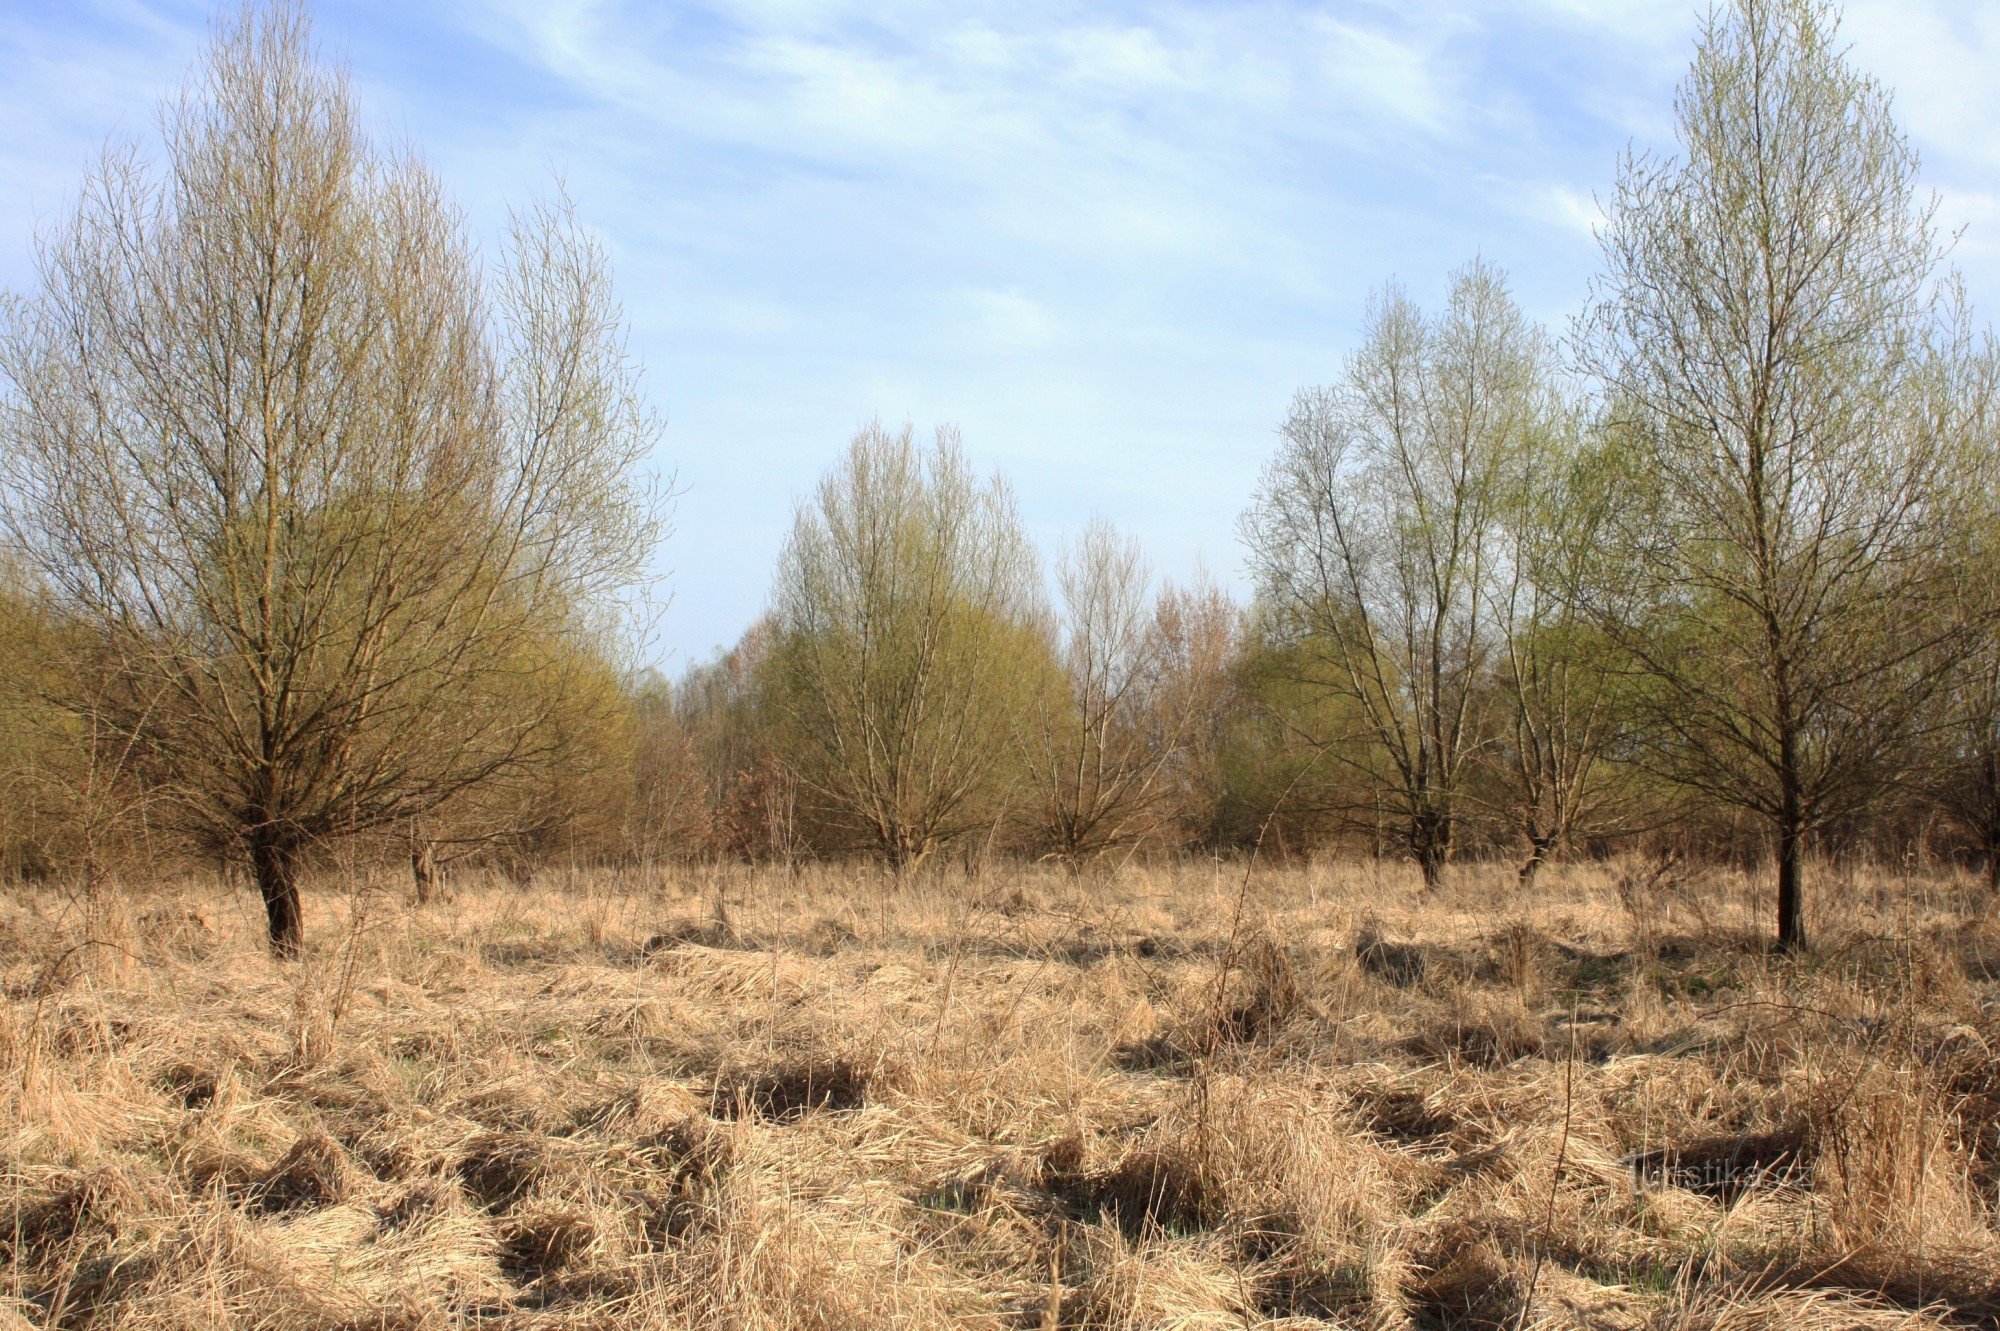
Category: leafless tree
[325,501]
[1377,535]
[1768,299]
[1557,711]
[1192,700]
[1960,755]
[910,636]
[1097,749]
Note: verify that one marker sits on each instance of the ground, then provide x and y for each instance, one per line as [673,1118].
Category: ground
[1168,1097]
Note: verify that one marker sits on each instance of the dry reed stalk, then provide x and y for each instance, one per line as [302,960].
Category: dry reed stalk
[1149,1101]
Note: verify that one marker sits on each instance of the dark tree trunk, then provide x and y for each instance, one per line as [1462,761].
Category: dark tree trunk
[1791,921]
[274,863]
[1430,843]
[1538,855]
[423,868]
[1990,845]
[1791,841]
[905,851]
[1989,801]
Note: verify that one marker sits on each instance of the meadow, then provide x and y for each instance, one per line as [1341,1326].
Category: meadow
[1182,1096]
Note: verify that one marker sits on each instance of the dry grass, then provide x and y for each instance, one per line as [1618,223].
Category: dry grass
[720,1099]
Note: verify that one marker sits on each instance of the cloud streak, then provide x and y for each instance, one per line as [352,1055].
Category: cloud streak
[1107,239]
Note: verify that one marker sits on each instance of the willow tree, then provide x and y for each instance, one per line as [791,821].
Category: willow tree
[1961,752]
[1098,746]
[320,492]
[1557,676]
[1378,535]
[54,803]
[1962,774]
[1759,333]
[911,635]
[1193,699]
[571,710]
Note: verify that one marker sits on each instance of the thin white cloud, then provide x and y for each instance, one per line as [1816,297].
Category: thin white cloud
[1007,320]
[1107,238]
[1939,59]
[1567,207]
[60,102]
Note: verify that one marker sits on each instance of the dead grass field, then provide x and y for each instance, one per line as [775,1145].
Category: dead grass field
[1165,1101]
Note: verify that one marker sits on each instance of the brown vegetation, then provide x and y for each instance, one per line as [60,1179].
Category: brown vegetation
[729,1098]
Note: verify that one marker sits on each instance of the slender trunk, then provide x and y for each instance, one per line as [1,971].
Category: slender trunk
[1990,844]
[1791,930]
[274,863]
[1430,843]
[905,851]
[1538,854]
[1791,839]
[423,867]
[1990,799]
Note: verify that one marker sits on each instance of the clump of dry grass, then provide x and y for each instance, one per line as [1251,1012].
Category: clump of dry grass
[1015,1101]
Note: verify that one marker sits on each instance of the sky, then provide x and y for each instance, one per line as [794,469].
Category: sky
[1107,241]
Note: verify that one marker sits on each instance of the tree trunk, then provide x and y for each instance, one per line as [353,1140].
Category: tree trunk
[1538,854]
[905,851]
[1791,836]
[1430,842]
[1990,839]
[1989,799]
[1791,924]
[423,868]
[274,863]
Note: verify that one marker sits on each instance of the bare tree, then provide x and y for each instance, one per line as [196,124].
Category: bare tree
[68,800]
[1961,753]
[1097,749]
[1767,301]
[321,497]
[1376,536]
[671,811]
[910,636]
[572,800]
[1192,698]
[1964,775]
[1557,676]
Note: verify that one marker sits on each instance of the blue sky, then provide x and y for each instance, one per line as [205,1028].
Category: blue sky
[1108,241]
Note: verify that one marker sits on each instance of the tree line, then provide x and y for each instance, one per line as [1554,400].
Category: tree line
[320,534]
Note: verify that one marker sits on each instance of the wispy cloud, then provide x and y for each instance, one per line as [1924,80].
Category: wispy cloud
[1106,238]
